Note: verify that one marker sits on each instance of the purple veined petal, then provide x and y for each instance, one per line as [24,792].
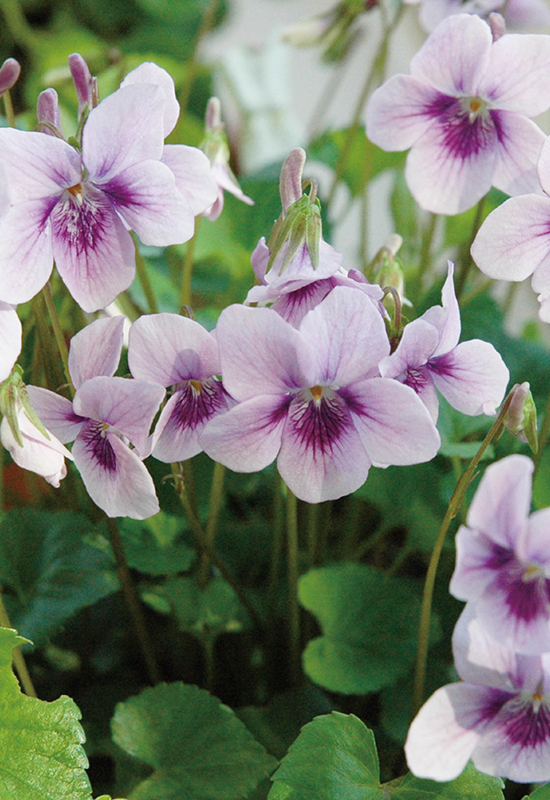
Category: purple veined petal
[114,476]
[543,165]
[300,266]
[446,318]
[26,259]
[514,239]
[37,166]
[519,145]
[481,659]
[260,259]
[456,56]
[321,456]
[536,545]
[146,197]
[478,559]
[248,437]
[418,343]
[293,306]
[10,339]
[393,423]
[124,129]
[183,418]
[193,174]
[472,377]
[401,111]
[261,354]
[447,729]
[56,412]
[348,335]
[44,456]
[501,503]
[93,251]
[450,168]
[96,349]
[168,348]
[518,75]
[125,404]
[149,72]
[517,744]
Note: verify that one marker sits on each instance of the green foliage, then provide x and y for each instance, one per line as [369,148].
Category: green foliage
[41,754]
[195,744]
[154,546]
[470,785]
[51,570]
[369,623]
[542,793]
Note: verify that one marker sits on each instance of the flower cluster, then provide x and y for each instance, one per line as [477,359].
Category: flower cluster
[499,716]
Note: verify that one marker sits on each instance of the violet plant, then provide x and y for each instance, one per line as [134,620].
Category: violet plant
[238,454]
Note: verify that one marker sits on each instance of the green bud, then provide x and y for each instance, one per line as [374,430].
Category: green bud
[300,224]
[13,396]
[521,419]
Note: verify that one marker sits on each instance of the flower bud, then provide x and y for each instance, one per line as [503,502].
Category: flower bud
[47,112]
[9,73]
[521,418]
[83,81]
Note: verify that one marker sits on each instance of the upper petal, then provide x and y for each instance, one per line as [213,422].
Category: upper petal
[455,57]
[193,174]
[518,74]
[124,129]
[96,349]
[56,412]
[518,149]
[149,72]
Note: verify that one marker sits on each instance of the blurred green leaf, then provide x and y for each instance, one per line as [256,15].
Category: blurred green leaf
[196,745]
[52,571]
[470,785]
[207,612]
[369,622]
[334,758]
[41,753]
[152,545]
[542,793]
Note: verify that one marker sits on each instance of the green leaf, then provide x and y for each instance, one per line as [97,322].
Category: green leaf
[52,571]
[334,758]
[470,785]
[196,745]
[152,545]
[369,623]
[542,793]
[41,754]
[205,612]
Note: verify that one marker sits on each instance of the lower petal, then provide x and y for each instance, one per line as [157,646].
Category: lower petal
[193,174]
[25,250]
[93,251]
[114,477]
[519,144]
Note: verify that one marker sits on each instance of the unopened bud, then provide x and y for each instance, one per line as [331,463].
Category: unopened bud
[83,81]
[9,73]
[47,112]
[13,398]
[497,23]
[290,182]
[521,419]
[386,269]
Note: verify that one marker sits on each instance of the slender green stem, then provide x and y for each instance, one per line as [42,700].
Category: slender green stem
[375,70]
[313,534]
[202,545]
[544,436]
[452,510]
[141,269]
[8,108]
[186,295]
[132,602]
[426,249]
[214,507]
[466,260]
[364,228]
[18,657]
[277,549]
[47,295]
[292,572]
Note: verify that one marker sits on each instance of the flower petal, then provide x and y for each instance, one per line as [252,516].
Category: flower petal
[455,57]
[148,72]
[119,483]
[44,456]
[518,149]
[26,259]
[96,349]
[93,251]
[193,174]
[514,239]
[518,74]
[56,412]
[168,348]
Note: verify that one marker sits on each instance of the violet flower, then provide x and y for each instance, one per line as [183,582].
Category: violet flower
[107,413]
[498,716]
[312,398]
[176,351]
[76,208]
[464,113]
[514,241]
[503,558]
[472,376]
[520,15]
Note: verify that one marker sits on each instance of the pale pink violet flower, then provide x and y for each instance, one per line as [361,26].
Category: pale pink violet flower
[503,558]
[520,15]
[498,715]
[471,376]
[107,414]
[464,113]
[311,397]
[176,351]
[514,241]
[76,208]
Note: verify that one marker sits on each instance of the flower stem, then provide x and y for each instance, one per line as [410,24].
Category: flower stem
[187,273]
[141,270]
[18,657]
[466,261]
[47,295]
[292,572]
[8,108]
[544,436]
[214,507]
[132,602]
[453,509]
